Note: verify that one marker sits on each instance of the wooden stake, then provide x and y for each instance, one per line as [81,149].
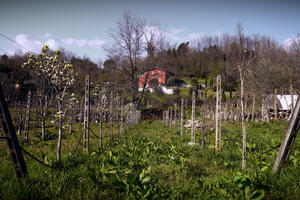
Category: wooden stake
[20,118]
[193,118]
[86,114]
[27,116]
[275,105]
[218,114]
[253,108]
[122,116]
[167,116]
[175,116]
[289,139]
[11,138]
[181,118]
[111,115]
[170,119]
[292,98]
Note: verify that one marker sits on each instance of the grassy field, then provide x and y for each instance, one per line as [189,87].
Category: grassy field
[153,162]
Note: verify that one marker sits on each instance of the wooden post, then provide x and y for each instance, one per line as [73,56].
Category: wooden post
[181,118]
[11,138]
[218,115]
[101,111]
[27,116]
[289,138]
[175,116]
[170,119]
[36,120]
[202,120]
[117,117]
[86,114]
[70,121]
[193,118]
[167,116]
[20,118]
[253,108]
[111,115]
[122,116]
[275,105]
[292,98]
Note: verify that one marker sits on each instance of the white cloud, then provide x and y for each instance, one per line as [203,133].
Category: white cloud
[290,41]
[181,35]
[47,35]
[52,44]
[32,45]
[96,43]
[174,35]
[195,36]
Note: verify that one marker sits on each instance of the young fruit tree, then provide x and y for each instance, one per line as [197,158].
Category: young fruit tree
[60,76]
[40,71]
[242,59]
[61,79]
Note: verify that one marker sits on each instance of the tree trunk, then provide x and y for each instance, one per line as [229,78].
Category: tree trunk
[100,127]
[43,114]
[60,131]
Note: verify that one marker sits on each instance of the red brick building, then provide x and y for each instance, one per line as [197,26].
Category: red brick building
[162,77]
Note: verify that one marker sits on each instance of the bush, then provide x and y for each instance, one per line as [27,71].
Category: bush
[175,82]
[176,91]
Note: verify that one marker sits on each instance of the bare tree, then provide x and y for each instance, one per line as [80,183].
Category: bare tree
[132,40]
[127,49]
[243,60]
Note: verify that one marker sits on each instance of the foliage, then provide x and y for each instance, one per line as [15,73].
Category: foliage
[174,81]
[152,162]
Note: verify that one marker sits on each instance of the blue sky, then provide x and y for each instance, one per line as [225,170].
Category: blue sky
[83,26]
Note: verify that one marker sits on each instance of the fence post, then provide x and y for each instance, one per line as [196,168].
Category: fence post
[181,118]
[11,138]
[175,116]
[253,108]
[20,118]
[167,116]
[170,119]
[27,116]
[193,118]
[292,98]
[275,106]
[111,115]
[86,114]
[218,115]
[289,138]
[122,116]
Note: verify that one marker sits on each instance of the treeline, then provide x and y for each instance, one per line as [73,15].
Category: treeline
[265,64]
[17,80]
[271,65]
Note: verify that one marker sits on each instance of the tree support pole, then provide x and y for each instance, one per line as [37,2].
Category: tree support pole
[86,114]
[11,139]
[289,139]
[218,115]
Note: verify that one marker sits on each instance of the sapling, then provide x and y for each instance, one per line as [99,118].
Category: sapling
[60,76]
[41,68]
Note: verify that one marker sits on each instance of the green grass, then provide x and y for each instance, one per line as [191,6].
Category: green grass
[153,162]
